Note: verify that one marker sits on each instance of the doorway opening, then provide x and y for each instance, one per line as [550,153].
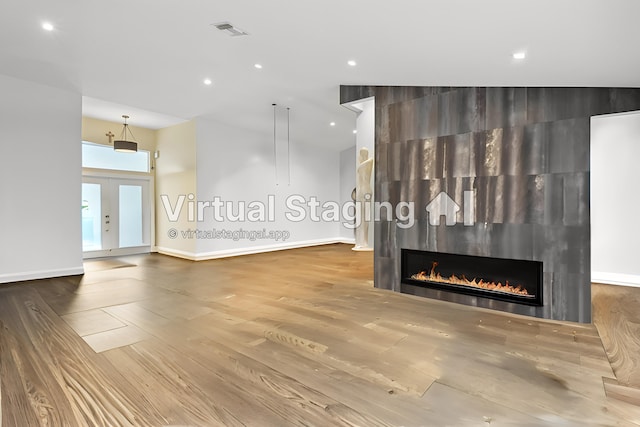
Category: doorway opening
[117,205]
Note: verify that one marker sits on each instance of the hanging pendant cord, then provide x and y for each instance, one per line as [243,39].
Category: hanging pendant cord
[125,129]
[288,146]
[275,153]
[133,138]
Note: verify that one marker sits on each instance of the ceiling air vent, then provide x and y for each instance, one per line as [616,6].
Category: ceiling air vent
[230,29]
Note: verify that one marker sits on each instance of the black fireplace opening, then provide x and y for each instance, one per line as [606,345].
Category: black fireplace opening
[511,280]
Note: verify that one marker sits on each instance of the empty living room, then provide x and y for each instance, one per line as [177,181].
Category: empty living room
[355,213]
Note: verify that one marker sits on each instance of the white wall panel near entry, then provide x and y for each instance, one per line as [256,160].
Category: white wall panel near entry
[615,205]
[347,186]
[40,179]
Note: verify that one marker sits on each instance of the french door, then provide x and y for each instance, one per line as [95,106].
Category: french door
[116,216]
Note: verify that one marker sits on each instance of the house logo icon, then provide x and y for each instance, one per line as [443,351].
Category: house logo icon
[445,205]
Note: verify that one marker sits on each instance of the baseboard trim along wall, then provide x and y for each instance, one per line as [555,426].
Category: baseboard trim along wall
[252,250]
[615,279]
[43,274]
[176,253]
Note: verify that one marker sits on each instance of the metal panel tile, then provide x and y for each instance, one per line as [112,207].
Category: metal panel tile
[446,120]
[427,112]
[382,131]
[513,151]
[457,155]
[469,110]
[568,145]
[395,161]
[534,149]
[505,107]
[430,158]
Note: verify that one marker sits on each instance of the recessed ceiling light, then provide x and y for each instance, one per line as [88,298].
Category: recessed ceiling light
[352,63]
[332,124]
[208,82]
[519,55]
[47,26]
[258,66]
[355,131]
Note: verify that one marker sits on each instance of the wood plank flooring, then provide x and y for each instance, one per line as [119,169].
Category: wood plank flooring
[616,314]
[297,337]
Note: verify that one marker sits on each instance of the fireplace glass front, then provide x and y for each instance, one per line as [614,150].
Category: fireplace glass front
[511,280]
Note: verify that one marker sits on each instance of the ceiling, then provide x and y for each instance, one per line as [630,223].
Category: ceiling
[153,55]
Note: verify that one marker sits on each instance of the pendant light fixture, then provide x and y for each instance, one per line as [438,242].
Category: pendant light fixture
[123,145]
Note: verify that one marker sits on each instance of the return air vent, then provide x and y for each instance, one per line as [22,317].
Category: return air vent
[228,28]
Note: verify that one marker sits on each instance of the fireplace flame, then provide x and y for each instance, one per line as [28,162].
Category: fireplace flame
[434,276]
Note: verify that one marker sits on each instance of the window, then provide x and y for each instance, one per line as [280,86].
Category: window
[104,157]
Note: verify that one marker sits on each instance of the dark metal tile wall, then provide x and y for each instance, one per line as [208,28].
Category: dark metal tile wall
[525,154]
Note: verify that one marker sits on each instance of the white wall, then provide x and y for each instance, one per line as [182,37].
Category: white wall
[347,185]
[238,166]
[175,177]
[40,181]
[615,205]
[366,125]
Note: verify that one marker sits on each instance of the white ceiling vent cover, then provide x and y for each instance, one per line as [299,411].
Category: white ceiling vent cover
[230,29]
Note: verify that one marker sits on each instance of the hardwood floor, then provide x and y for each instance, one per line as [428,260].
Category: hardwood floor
[298,337]
[616,314]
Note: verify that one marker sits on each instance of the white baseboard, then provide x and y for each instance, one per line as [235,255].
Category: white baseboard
[176,253]
[347,240]
[42,274]
[615,279]
[251,250]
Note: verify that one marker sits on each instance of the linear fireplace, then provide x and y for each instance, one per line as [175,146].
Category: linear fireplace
[510,280]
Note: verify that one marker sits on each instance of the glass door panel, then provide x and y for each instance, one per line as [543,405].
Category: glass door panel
[91,216]
[130,217]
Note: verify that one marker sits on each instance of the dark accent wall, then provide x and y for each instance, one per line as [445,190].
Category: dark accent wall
[525,154]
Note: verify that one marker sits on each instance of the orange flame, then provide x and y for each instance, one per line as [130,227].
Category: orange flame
[434,276]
